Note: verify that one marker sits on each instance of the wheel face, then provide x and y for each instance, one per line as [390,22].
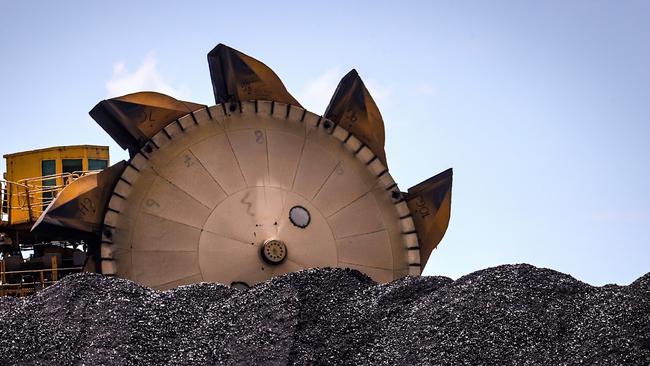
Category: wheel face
[243,195]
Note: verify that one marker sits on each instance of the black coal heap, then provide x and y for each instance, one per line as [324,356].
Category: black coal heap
[507,315]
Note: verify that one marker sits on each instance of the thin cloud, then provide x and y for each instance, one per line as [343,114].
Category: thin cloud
[317,93]
[144,78]
[380,93]
[427,89]
[622,216]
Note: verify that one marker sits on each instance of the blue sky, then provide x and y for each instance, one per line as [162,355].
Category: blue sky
[541,108]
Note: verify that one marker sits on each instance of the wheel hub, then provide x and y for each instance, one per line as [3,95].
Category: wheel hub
[274,251]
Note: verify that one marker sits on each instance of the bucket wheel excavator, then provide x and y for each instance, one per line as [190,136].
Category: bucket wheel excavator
[250,188]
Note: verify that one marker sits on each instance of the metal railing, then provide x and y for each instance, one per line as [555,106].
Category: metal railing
[30,280]
[33,195]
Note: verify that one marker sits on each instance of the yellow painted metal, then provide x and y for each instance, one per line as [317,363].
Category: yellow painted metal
[24,177]
[353,108]
[430,206]
[55,273]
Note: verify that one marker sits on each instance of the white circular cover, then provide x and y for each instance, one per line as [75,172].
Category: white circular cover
[205,193]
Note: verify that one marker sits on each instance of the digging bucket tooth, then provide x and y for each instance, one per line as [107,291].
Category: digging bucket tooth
[430,206]
[78,211]
[133,119]
[239,77]
[353,108]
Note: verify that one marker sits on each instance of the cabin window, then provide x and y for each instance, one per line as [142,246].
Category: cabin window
[48,167]
[72,165]
[97,164]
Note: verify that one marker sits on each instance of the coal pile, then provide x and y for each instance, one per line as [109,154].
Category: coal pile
[507,315]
